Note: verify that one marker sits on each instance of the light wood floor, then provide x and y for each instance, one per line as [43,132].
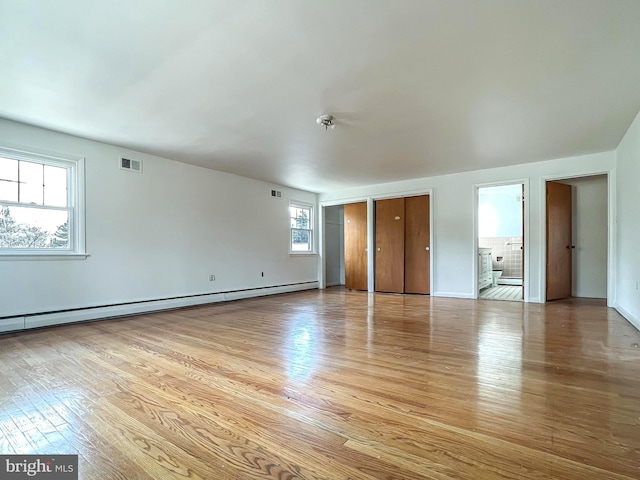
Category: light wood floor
[336,385]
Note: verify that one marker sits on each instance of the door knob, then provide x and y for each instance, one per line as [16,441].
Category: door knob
[426,248]
[378,248]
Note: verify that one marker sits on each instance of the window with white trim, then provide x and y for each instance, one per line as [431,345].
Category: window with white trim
[40,206]
[301,228]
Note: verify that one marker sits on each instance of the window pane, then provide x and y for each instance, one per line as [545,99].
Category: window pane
[300,217]
[31,182]
[8,180]
[23,227]
[55,186]
[8,191]
[8,169]
[300,240]
[293,211]
[303,218]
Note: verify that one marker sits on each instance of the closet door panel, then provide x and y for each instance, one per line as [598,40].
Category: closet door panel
[355,246]
[417,250]
[389,254]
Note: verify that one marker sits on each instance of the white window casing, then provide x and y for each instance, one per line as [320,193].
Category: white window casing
[301,237]
[30,232]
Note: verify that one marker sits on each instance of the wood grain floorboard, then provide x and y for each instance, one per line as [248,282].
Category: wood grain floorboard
[333,384]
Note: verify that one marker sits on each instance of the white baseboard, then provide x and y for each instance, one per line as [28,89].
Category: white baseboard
[516,282]
[11,324]
[452,295]
[99,313]
[632,319]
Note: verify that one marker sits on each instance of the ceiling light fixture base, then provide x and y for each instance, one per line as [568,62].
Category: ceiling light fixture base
[326,121]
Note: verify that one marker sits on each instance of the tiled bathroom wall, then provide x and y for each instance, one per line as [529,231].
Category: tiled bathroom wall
[510,249]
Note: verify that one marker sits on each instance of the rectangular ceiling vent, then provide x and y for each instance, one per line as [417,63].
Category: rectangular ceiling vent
[276,193]
[131,165]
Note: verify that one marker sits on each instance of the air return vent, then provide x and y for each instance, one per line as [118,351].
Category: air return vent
[131,165]
[276,193]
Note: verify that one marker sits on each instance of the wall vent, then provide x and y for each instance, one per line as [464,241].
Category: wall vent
[131,165]
[276,193]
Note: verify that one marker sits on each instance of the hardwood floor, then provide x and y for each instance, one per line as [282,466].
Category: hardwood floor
[333,384]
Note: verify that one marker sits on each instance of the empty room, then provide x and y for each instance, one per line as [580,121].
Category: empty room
[358,239]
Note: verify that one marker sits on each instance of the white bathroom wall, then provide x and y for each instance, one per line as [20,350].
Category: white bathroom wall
[589,274]
[156,235]
[500,211]
[453,250]
[628,225]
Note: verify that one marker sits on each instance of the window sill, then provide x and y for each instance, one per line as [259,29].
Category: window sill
[43,256]
[302,254]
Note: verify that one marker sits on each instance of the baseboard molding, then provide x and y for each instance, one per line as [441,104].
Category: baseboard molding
[11,324]
[632,319]
[123,310]
[452,295]
[516,282]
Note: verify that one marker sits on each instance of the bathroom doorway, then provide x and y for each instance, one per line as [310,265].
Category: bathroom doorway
[501,242]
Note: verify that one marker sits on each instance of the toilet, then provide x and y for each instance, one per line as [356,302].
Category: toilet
[497,272]
[496,276]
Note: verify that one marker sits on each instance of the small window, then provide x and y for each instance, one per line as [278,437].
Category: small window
[39,204]
[301,228]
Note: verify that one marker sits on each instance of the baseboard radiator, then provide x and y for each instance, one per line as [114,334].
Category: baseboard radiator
[38,320]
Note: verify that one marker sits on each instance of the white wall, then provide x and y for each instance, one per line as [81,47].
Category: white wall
[628,224]
[334,245]
[156,235]
[589,273]
[453,197]
[500,211]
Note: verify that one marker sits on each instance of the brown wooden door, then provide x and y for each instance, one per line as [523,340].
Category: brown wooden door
[559,246]
[523,245]
[417,255]
[355,246]
[389,253]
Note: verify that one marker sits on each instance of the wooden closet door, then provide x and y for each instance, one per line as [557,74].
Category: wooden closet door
[559,243]
[417,254]
[355,246]
[390,245]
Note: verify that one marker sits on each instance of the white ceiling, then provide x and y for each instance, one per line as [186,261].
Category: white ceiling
[418,87]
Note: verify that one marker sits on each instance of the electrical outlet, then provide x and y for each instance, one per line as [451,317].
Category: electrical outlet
[212,278]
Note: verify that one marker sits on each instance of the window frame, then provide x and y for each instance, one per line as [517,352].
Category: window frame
[311,229]
[75,205]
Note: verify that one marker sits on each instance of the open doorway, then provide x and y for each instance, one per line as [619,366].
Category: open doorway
[501,242]
[577,237]
[345,239]
[334,245]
